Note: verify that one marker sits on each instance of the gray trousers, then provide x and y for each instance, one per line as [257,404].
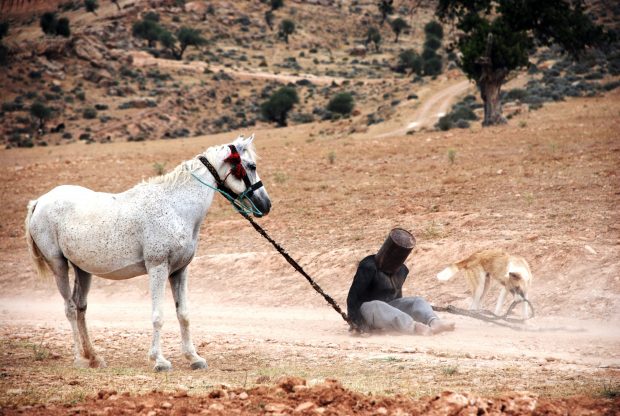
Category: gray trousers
[399,314]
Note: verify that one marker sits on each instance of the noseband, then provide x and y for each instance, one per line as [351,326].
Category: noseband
[237,170]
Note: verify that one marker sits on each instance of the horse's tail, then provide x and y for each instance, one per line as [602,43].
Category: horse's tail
[35,253]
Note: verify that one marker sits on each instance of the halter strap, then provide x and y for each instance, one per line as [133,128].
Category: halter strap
[235,160]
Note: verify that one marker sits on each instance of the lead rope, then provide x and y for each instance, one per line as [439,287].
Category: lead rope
[236,203]
[300,269]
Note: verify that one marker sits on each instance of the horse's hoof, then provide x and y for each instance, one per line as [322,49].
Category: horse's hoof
[199,365]
[81,362]
[97,363]
[161,367]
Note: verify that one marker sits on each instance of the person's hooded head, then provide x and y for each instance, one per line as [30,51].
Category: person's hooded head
[394,251]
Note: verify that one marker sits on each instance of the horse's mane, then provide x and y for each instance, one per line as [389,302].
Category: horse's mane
[182,173]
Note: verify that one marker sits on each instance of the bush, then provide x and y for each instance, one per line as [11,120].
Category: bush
[373,35]
[41,112]
[462,124]
[461,112]
[432,66]
[48,23]
[4,29]
[62,27]
[89,113]
[91,6]
[445,123]
[409,61]
[4,55]
[341,103]
[432,43]
[428,54]
[434,28]
[516,94]
[276,108]
[287,27]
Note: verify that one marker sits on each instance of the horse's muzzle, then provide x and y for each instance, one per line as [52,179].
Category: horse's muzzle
[263,204]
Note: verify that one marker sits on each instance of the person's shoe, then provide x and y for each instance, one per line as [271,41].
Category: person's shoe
[421,329]
[437,326]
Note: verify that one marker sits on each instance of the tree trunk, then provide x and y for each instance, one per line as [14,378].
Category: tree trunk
[490,90]
[490,84]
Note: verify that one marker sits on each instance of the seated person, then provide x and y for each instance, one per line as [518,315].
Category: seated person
[376,300]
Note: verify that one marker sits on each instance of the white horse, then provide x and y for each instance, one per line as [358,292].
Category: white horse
[151,228]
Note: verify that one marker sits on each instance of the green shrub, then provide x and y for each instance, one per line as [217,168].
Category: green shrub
[41,112]
[432,43]
[62,27]
[432,66]
[287,27]
[48,23]
[91,6]
[341,103]
[89,113]
[276,108]
[445,123]
[434,28]
[409,61]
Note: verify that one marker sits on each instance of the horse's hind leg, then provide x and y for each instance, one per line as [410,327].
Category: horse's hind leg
[80,294]
[178,284]
[60,268]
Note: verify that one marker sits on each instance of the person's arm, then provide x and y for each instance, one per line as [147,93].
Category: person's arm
[403,272]
[361,282]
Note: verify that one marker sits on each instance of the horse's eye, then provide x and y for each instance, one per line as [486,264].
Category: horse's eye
[251,166]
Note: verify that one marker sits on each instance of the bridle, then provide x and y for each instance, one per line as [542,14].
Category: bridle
[237,170]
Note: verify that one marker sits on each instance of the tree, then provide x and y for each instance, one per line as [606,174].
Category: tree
[276,108]
[4,51]
[433,28]
[4,29]
[41,112]
[188,37]
[287,27]
[409,60]
[276,4]
[62,27]
[48,23]
[117,5]
[91,6]
[269,19]
[497,36]
[148,30]
[432,43]
[373,35]
[386,7]
[341,103]
[168,41]
[398,25]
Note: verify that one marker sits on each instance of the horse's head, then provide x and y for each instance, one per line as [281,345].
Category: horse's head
[238,172]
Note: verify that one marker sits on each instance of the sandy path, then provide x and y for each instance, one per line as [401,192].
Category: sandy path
[432,109]
[143,59]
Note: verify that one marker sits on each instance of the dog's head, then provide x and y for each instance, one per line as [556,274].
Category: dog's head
[518,283]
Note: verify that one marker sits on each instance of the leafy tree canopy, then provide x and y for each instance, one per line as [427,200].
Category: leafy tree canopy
[62,27]
[91,6]
[515,27]
[276,108]
[4,29]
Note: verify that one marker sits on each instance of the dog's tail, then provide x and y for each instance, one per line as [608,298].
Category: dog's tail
[35,253]
[447,273]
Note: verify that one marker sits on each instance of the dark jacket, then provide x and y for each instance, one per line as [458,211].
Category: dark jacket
[369,284]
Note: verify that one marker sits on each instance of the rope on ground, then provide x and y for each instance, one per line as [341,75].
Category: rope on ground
[488,316]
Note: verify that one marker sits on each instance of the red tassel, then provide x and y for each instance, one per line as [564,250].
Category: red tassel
[237,169]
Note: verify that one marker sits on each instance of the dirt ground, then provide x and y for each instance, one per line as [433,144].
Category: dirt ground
[545,187]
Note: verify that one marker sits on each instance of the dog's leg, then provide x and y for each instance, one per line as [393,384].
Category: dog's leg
[480,279]
[500,301]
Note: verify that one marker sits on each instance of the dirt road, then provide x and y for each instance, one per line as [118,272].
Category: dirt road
[432,108]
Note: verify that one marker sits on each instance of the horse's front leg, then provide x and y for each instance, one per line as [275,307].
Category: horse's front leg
[157,277]
[178,284]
